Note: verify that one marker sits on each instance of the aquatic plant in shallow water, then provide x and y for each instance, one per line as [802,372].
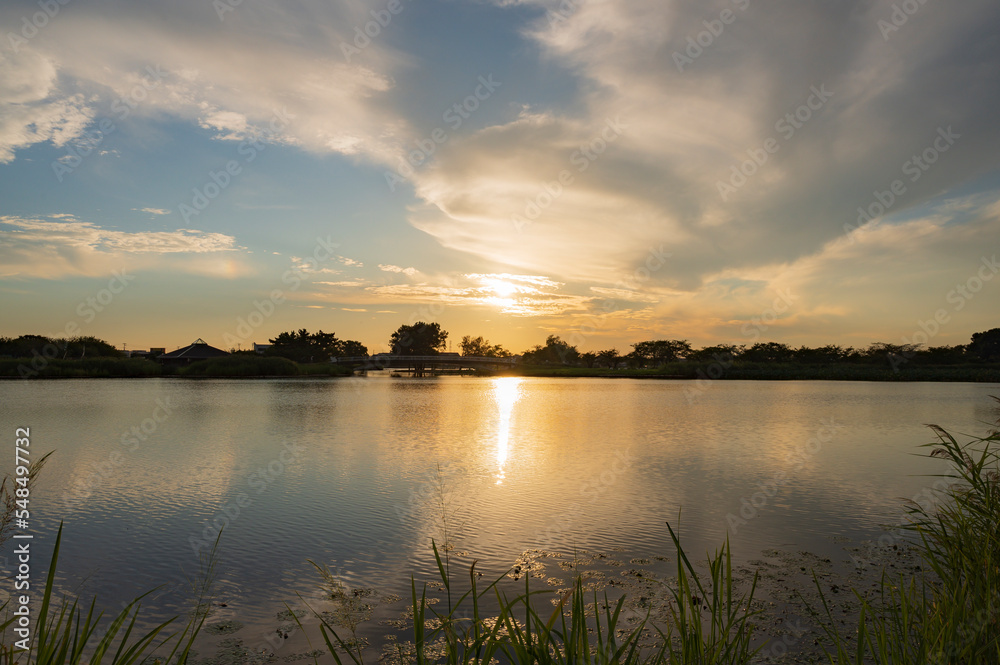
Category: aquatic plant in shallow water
[949,612]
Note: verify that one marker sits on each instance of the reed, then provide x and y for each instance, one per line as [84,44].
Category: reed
[67,632]
[711,623]
[950,611]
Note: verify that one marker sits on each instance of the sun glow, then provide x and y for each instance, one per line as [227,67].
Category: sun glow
[500,287]
[506,392]
[504,289]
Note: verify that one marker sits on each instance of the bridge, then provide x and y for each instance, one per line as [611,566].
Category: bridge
[419,364]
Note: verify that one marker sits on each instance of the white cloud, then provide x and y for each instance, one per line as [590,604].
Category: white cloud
[232,79]
[656,183]
[32,110]
[388,267]
[34,247]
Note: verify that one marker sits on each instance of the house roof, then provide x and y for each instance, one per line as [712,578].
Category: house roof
[196,350]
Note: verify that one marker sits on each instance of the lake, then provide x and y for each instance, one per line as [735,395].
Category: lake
[360,474]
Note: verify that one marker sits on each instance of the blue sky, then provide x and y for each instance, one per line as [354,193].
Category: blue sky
[606,171]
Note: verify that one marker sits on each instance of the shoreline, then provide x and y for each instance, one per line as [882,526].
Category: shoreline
[925,376]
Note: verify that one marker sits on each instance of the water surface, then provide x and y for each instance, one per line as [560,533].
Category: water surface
[361,473]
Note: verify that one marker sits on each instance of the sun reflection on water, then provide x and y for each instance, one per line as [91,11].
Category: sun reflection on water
[506,392]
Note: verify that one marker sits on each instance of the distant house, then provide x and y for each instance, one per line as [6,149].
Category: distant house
[198,350]
[260,348]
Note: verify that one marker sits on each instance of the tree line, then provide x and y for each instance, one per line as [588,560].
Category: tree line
[424,339]
[983,347]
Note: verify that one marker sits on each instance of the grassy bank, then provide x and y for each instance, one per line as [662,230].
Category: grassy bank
[246,367]
[27,368]
[226,367]
[947,610]
[780,372]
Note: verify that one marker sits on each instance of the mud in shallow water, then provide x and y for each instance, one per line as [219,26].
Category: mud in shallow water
[785,599]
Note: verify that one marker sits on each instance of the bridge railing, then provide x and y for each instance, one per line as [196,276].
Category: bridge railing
[387,358]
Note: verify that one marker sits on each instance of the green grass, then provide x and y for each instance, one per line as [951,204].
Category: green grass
[88,367]
[711,623]
[240,366]
[950,611]
[66,632]
[226,366]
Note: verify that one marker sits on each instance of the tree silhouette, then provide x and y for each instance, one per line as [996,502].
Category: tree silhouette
[986,345]
[420,339]
[609,357]
[661,351]
[305,347]
[555,352]
[477,346]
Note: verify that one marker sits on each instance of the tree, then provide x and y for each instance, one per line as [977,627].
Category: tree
[724,353]
[554,352]
[886,353]
[609,357]
[350,348]
[420,339]
[830,353]
[986,345]
[482,348]
[943,355]
[589,358]
[661,351]
[768,352]
[73,348]
[305,347]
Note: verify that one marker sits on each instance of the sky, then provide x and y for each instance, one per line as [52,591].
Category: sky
[809,172]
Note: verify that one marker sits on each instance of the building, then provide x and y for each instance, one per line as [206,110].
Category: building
[197,350]
[260,348]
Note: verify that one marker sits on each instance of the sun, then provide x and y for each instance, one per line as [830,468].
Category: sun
[503,289]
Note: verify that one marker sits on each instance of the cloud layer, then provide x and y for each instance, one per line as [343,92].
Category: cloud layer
[702,158]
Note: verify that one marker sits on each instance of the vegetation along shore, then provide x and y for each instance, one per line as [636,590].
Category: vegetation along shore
[305,354]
